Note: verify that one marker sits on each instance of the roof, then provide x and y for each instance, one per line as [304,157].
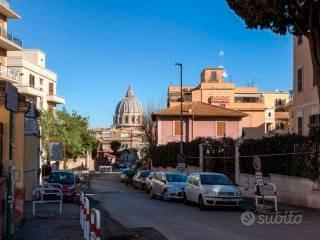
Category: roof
[199,109]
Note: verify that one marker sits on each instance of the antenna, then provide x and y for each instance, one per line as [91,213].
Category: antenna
[221,54]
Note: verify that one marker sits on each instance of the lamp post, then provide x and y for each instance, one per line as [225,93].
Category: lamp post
[181,100]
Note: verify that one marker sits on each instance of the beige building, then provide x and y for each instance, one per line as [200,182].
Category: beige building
[250,100]
[9,76]
[37,83]
[305,109]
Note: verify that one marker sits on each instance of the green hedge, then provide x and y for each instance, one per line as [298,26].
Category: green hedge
[297,155]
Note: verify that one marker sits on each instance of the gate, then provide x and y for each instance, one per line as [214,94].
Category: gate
[219,157]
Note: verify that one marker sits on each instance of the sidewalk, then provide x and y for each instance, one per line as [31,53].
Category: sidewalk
[48,224]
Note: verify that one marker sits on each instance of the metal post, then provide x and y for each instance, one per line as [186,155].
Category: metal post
[201,158]
[181,112]
[9,218]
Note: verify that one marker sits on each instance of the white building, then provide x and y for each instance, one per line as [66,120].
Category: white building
[37,83]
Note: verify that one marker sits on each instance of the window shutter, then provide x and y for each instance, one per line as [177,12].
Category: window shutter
[221,129]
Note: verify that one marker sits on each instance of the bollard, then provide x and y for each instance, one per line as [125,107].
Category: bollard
[95,232]
[86,215]
[81,210]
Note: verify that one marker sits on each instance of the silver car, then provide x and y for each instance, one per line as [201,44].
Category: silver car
[168,185]
[211,189]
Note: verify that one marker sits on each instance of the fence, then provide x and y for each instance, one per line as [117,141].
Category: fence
[89,220]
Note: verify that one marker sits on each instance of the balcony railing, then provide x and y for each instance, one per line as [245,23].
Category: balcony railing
[10,37]
[5,2]
[10,73]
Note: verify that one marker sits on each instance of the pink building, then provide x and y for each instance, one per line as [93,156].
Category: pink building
[199,120]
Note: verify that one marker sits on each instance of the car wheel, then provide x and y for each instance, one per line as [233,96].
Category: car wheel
[147,190]
[165,196]
[185,199]
[201,203]
[152,195]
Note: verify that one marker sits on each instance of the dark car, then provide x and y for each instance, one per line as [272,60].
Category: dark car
[139,180]
[67,182]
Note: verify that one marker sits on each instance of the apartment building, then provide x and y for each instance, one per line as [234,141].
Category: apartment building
[13,107]
[305,109]
[249,100]
[38,83]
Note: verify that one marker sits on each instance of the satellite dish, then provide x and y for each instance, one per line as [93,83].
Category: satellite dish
[225,74]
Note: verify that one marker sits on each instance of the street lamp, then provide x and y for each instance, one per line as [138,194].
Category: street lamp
[181,100]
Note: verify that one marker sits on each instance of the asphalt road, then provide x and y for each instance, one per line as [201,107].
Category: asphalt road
[134,209]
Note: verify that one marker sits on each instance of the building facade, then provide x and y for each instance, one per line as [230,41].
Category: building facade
[37,83]
[250,100]
[305,109]
[199,120]
[127,127]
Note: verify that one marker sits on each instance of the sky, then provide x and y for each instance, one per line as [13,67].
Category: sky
[99,47]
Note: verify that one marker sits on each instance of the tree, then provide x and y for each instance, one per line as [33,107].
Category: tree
[69,128]
[115,146]
[299,17]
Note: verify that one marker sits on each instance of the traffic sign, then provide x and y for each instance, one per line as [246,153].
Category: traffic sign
[259,179]
[181,167]
[181,158]
[256,163]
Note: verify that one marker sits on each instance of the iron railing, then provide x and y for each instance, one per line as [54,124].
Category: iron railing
[9,36]
[5,2]
[10,73]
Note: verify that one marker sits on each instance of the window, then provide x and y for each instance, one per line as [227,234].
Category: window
[300,126]
[280,125]
[196,181]
[190,180]
[213,76]
[177,128]
[51,88]
[300,39]
[133,120]
[31,80]
[41,81]
[269,114]
[221,129]
[299,79]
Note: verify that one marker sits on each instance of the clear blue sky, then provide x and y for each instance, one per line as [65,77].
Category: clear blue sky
[99,47]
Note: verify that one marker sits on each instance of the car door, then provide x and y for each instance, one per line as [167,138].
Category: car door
[196,188]
[189,187]
[162,183]
[156,183]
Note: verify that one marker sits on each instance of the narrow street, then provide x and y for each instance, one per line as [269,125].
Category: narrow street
[134,209]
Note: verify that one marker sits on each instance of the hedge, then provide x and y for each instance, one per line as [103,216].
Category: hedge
[290,155]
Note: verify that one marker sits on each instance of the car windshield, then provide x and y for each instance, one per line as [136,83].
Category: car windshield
[144,174]
[172,177]
[61,177]
[215,180]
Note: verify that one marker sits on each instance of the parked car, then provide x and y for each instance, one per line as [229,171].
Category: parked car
[127,175]
[149,182]
[139,180]
[123,175]
[168,185]
[211,189]
[67,182]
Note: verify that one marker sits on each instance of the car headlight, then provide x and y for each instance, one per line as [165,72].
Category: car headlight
[210,192]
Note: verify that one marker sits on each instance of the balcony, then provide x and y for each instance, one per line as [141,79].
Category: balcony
[55,99]
[9,41]
[9,74]
[30,90]
[281,115]
[6,10]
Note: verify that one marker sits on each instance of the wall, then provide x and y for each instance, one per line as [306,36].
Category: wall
[87,162]
[31,165]
[3,190]
[290,190]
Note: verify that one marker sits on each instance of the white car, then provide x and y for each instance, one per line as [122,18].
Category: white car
[211,189]
[168,185]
